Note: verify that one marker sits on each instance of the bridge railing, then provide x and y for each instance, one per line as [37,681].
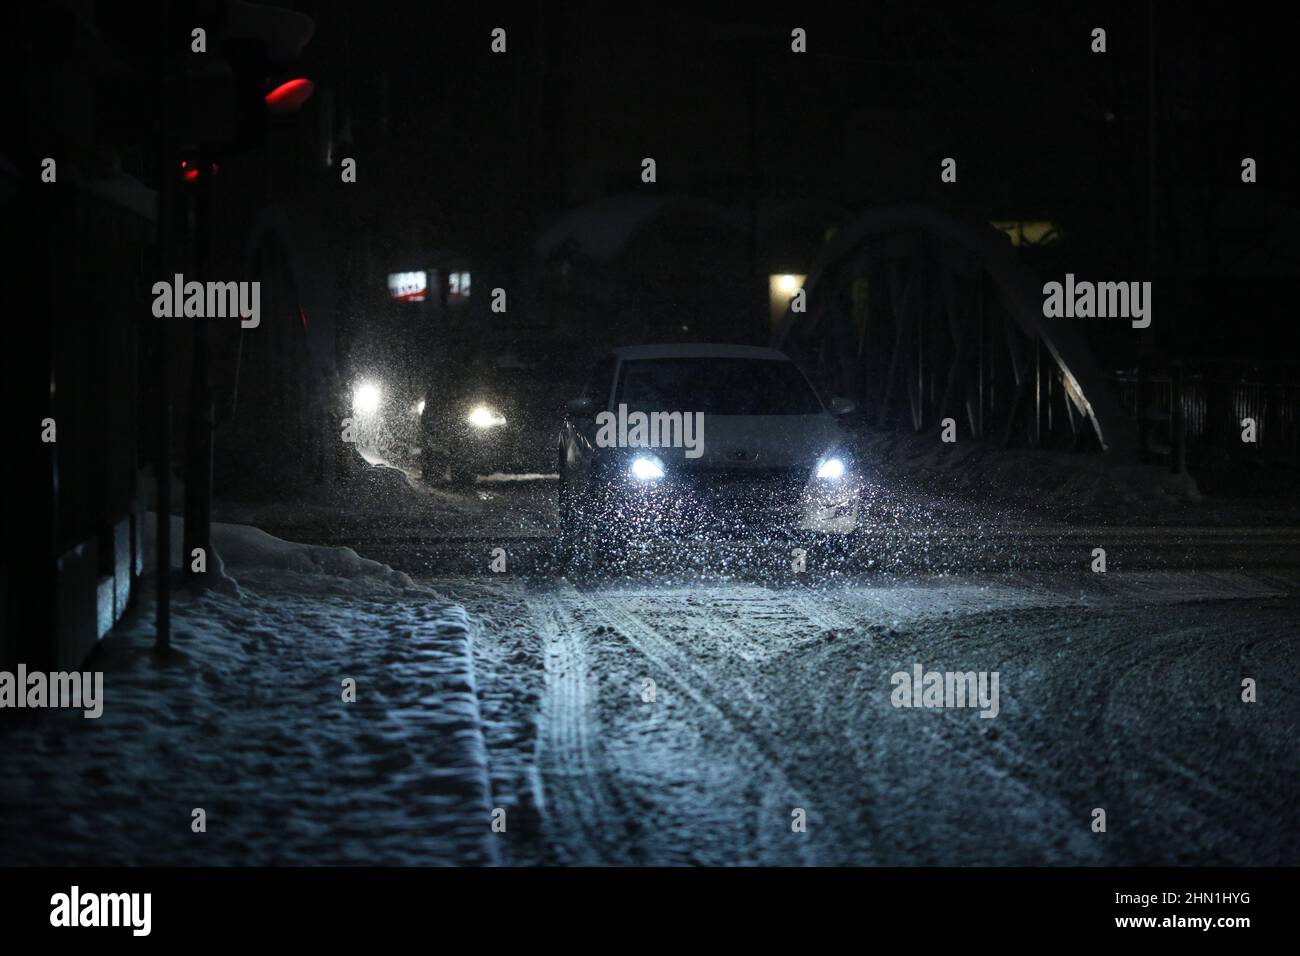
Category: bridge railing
[1188,412]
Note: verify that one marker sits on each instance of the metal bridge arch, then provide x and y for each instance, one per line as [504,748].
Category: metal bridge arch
[918,316]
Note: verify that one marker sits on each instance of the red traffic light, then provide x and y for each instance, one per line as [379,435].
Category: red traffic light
[190,169]
[289,96]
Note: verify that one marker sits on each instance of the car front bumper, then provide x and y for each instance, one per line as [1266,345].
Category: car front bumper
[726,504]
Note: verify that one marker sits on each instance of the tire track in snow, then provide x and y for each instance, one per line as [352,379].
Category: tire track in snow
[799,623]
[995,752]
[1218,780]
[576,772]
[749,729]
[753,672]
[784,617]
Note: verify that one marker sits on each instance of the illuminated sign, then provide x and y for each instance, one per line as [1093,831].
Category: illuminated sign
[408,286]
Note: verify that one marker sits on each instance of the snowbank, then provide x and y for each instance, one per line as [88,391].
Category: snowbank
[243,549]
[371,489]
[247,553]
[1086,487]
[247,720]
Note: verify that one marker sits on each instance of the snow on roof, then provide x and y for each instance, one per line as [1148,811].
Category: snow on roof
[632,352]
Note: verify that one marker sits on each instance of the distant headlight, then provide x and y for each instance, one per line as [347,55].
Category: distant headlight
[419,407]
[366,398]
[484,417]
[646,469]
[832,469]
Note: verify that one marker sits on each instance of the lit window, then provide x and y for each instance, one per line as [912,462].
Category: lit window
[457,287]
[1028,233]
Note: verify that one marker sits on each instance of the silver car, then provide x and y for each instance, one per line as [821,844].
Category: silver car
[701,440]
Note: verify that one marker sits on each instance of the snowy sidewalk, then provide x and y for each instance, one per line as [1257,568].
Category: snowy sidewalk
[247,721]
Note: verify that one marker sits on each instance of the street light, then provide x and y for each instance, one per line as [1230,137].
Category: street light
[781,288]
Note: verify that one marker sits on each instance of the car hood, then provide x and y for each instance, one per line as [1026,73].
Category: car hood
[760,442]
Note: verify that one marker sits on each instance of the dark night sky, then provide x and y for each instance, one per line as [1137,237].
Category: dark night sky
[1009,88]
[678,84]
[476,152]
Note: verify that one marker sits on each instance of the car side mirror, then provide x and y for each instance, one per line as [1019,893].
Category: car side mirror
[581,408]
[842,406]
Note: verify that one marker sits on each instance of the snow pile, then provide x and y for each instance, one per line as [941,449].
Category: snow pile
[1084,486]
[525,476]
[243,548]
[246,720]
[372,488]
[250,553]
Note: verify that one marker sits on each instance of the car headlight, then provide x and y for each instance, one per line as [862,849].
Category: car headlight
[366,398]
[646,468]
[484,417]
[832,469]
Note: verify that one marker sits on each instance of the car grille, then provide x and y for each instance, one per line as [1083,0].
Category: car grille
[735,499]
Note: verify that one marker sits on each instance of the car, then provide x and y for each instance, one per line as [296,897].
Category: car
[384,411]
[701,440]
[497,409]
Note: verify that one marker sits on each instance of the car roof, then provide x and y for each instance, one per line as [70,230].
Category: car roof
[672,351]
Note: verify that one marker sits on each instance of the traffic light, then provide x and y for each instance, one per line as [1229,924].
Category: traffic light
[245,83]
[288,97]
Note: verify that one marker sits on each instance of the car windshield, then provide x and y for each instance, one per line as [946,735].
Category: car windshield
[520,367]
[716,386]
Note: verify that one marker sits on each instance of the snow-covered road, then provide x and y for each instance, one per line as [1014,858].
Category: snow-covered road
[1124,696]
[772,692]
[710,706]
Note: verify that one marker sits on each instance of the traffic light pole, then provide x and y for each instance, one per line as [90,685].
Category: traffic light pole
[165,152]
[198,431]
[163,627]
